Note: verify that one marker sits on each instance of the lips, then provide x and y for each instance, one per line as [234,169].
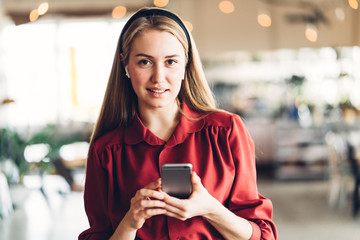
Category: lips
[155,90]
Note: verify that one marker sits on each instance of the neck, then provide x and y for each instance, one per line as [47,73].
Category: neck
[161,121]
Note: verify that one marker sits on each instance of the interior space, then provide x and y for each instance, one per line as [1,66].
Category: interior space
[289,68]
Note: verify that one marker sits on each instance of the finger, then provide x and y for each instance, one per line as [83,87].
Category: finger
[154,185]
[141,215]
[172,211]
[196,182]
[151,204]
[154,211]
[174,215]
[144,209]
[195,179]
[176,203]
[171,200]
[145,193]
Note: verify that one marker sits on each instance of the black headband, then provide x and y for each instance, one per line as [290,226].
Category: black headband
[157,12]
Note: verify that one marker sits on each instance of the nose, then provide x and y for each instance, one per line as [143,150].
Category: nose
[158,75]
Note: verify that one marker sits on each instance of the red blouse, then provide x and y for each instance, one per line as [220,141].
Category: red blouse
[127,159]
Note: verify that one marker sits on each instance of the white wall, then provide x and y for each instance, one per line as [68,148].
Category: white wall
[217,32]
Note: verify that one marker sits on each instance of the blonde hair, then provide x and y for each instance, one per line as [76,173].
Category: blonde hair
[120,101]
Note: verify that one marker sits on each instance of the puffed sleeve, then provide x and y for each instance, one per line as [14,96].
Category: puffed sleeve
[95,199]
[245,201]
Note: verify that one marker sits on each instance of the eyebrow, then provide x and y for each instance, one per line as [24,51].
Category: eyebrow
[148,56]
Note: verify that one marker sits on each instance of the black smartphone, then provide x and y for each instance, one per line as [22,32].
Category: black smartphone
[176,179]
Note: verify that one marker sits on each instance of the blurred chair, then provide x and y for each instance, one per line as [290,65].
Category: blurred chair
[72,159]
[35,155]
[356,175]
[340,173]
[6,205]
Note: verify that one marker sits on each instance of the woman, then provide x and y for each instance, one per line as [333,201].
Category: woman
[159,109]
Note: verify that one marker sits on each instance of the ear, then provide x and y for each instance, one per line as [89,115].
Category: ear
[125,65]
[127,72]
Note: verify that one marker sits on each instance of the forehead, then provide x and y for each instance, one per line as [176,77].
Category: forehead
[154,42]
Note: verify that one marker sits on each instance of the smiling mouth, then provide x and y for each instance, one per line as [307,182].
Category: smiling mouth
[157,90]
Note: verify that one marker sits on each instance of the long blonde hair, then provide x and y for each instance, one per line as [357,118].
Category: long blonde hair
[120,101]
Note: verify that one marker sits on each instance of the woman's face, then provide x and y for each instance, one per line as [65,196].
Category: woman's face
[156,67]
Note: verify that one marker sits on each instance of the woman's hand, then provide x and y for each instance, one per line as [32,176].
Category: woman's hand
[146,203]
[199,203]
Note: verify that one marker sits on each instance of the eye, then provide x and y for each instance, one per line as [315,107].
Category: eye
[171,62]
[144,62]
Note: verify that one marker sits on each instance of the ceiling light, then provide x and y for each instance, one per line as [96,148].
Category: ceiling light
[34,15]
[119,12]
[43,8]
[161,3]
[264,19]
[353,4]
[189,25]
[226,7]
[311,33]
[340,14]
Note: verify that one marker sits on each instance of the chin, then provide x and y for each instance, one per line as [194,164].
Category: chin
[162,104]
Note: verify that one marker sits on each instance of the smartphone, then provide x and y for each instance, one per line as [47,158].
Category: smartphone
[176,179]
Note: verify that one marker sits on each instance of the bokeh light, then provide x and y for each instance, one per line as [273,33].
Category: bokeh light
[43,8]
[119,12]
[264,20]
[353,4]
[226,7]
[34,15]
[189,25]
[161,3]
[311,33]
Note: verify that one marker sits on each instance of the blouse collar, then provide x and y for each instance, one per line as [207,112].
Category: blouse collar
[137,132]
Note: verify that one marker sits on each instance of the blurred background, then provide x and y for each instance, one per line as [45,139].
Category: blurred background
[289,68]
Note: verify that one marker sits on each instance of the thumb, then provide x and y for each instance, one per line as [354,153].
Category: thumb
[195,180]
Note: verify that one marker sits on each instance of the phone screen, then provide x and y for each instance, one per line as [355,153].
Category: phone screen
[176,179]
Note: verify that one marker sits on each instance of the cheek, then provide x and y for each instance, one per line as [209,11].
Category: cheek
[137,79]
[177,79]
[177,84]
[136,85]
[178,74]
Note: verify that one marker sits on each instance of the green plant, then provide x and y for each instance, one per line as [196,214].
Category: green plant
[56,136]
[12,147]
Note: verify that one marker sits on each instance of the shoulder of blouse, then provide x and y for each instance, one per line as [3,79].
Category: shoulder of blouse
[113,137]
[221,119]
